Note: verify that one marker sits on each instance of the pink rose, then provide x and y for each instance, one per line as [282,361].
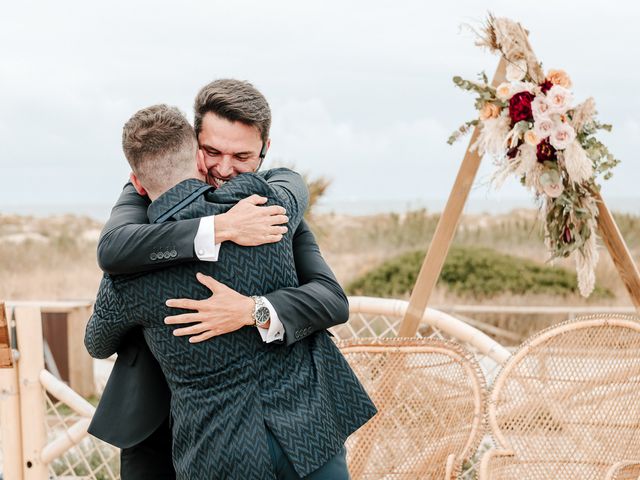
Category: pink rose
[562,136]
[540,107]
[559,99]
[543,127]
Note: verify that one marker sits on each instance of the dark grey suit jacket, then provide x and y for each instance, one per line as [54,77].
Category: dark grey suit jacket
[128,241]
[225,390]
[136,398]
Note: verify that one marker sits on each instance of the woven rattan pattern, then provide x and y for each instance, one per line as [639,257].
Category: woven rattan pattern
[430,396]
[567,403]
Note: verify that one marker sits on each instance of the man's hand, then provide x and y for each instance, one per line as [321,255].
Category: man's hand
[223,312]
[249,224]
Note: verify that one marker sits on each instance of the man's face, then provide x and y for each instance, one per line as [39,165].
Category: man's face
[228,148]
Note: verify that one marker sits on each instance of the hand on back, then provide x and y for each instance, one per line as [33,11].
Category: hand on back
[249,223]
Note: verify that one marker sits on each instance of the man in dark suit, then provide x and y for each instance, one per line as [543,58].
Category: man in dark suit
[133,411]
[236,400]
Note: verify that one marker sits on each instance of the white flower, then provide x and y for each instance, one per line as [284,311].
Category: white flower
[562,136]
[578,165]
[531,138]
[493,135]
[559,99]
[540,107]
[503,91]
[515,134]
[551,183]
[528,159]
[543,127]
[516,70]
[586,261]
[554,190]
[517,87]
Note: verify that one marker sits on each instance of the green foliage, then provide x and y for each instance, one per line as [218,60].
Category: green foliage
[485,94]
[462,130]
[471,271]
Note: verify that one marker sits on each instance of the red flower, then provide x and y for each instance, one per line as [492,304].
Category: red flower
[545,151]
[546,86]
[512,152]
[520,107]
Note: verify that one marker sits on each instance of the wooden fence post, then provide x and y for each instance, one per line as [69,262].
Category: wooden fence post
[32,399]
[80,362]
[10,433]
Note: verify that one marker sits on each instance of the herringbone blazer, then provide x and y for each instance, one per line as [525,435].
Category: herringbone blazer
[225,390]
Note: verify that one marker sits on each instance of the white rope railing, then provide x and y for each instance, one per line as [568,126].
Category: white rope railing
[448,324]
[74,434]
[52,418]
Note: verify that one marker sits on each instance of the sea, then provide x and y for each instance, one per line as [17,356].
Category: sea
[348,206]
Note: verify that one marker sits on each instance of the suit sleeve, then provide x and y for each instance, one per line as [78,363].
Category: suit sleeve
[108,324]
[319,302]
[292,192]
[129,244]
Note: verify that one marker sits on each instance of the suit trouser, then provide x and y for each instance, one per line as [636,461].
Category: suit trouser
[151,460]
[334,469]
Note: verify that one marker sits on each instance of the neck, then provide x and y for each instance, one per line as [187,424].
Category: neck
[172,182]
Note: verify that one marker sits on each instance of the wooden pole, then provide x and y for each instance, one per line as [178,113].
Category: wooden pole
[80,362]
[6,356]
[66,394]
[10,433]
[619,252]
[32,400]
[446,229]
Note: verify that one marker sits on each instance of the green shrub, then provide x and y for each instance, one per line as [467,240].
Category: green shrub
[471,271]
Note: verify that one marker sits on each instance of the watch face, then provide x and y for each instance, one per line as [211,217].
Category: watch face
[262,315]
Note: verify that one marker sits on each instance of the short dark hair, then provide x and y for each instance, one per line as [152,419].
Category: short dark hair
[159,144]
[236,101]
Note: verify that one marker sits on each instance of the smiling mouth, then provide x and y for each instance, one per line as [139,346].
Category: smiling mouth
[216,182]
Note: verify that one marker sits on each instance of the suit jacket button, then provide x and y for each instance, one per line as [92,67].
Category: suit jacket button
[153,256]
[167,254]
[174,254]
[160,255]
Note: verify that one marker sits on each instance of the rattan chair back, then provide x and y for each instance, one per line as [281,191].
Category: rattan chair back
[430,394]
[567,404]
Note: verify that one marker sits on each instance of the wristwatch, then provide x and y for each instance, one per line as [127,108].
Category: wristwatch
[260,314]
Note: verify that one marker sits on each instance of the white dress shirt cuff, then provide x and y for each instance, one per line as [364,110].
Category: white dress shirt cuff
[276,329]
[204,246]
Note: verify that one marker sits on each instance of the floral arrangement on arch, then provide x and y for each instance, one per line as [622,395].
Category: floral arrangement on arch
[533,129]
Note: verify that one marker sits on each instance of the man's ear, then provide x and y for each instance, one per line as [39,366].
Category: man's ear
[202,167]
[137,185]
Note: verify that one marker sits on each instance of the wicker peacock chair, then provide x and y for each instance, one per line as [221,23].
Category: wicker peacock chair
[431,399]
[567,404]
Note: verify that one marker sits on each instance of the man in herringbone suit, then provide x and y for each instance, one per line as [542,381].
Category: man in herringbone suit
[231,392]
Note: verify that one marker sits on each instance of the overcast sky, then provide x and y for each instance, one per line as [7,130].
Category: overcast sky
[360,91]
